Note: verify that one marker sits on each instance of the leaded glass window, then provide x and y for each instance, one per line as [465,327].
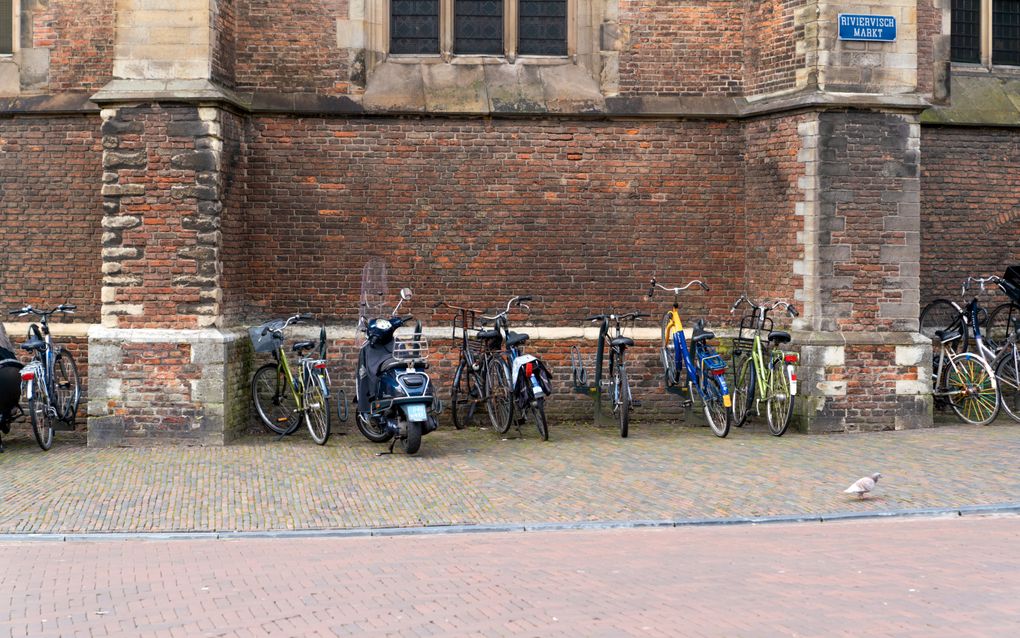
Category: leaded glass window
[1006,32]
[6,26]
[478,27]
[966,31]
[542,25]
[414,26]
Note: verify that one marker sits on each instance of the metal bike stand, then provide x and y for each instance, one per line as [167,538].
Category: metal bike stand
[579,376]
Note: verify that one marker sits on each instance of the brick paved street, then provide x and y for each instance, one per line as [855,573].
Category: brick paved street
[472,477]
[932,577]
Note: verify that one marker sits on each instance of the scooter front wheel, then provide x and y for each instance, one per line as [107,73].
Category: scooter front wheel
[374,433]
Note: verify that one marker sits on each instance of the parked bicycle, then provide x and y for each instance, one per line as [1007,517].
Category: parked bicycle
[50,381]
[282,399]
[618,384]
[997,325]
[704,381]
[525,376]
[480,358]
[764,374]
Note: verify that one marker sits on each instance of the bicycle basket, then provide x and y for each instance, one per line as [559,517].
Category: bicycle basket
[1011,283]
[267,342]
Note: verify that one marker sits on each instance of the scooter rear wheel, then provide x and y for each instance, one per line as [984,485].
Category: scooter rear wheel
[412,442]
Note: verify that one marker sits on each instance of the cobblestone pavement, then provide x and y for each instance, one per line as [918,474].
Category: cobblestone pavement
[473,477]
[931,577]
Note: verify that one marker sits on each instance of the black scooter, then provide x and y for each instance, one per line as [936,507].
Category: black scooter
[395,397]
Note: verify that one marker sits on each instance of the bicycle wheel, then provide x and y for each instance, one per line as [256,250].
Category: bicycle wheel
[717,414]
[779,405]
[274,400]
[464,395]
[670,373]
[743,391]
[941,314]
[621,398]
[1007,373]
[538,409]
[1003,321]
[317,410]
[66,386]
[974,394]
[41,415]
[499,401]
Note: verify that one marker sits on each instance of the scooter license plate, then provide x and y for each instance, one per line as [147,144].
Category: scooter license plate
[416,412]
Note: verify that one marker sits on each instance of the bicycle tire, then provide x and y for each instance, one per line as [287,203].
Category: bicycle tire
[621,399]
[717,414]
[538,410]
[971,371]
[38,410]
[66,386]
[744,389]
[942,314]
[1002,322]
[1007,373]
[317,411]
[412,442]
[671,375]
[464,395]
[779,405]
[274,401]
[499,397]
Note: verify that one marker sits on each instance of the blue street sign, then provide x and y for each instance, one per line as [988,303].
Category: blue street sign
[870,28]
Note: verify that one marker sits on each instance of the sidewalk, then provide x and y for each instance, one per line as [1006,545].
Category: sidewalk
[473,478]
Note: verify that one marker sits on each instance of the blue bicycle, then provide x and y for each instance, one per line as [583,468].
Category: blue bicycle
[705,381]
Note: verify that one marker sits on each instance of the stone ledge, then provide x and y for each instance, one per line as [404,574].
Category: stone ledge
[161,335]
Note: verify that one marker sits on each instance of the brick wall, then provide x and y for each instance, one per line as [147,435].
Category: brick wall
[50,212]
[224,43]
[80,36]
[929,27]
[771,40]
[290,46]
[687,47]
[773,170]
[578,214]
[970,204]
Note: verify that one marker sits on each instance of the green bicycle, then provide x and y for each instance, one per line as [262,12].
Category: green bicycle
[282,400]
[764,373]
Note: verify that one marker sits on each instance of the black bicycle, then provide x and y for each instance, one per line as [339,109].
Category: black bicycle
[480,367]
[50,381]
[616,344]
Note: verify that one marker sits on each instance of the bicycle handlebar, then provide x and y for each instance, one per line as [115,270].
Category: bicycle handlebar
[305,316]
[67,309]
[981,281]
[654,284]
[764,308]
[630,316]
[518,301]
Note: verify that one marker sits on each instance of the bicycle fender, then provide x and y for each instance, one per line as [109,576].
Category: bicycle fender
[792,376]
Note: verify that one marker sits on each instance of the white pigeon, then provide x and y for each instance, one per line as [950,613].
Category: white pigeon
[864,485]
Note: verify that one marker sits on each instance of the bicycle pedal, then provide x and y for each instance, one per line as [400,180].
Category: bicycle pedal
[686,403]
[634,403]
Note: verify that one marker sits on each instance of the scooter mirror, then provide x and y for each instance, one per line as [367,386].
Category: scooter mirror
[405,293]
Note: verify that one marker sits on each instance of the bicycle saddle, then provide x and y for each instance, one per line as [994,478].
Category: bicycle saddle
[779,336]
[485,335]
[515,338]
[704,335]
[34,344]
[626,342]
[945,336]
[302,345]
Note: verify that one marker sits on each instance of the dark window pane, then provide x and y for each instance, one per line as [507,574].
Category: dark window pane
[6,26]
[542,25]
[966,29]
[414,26]
[478,26]
[1006,32]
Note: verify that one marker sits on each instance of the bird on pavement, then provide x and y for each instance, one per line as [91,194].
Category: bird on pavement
[864,485]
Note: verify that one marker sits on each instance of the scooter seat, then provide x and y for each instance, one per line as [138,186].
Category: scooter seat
[626,342]
[779,336]
[515,338]
[394,364]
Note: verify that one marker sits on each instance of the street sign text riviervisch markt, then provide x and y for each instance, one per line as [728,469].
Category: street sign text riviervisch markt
[867,27]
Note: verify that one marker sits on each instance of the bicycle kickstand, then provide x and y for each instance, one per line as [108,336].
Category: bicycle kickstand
[393,442]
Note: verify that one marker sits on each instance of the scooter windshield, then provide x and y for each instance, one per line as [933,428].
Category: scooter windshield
[374,294]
